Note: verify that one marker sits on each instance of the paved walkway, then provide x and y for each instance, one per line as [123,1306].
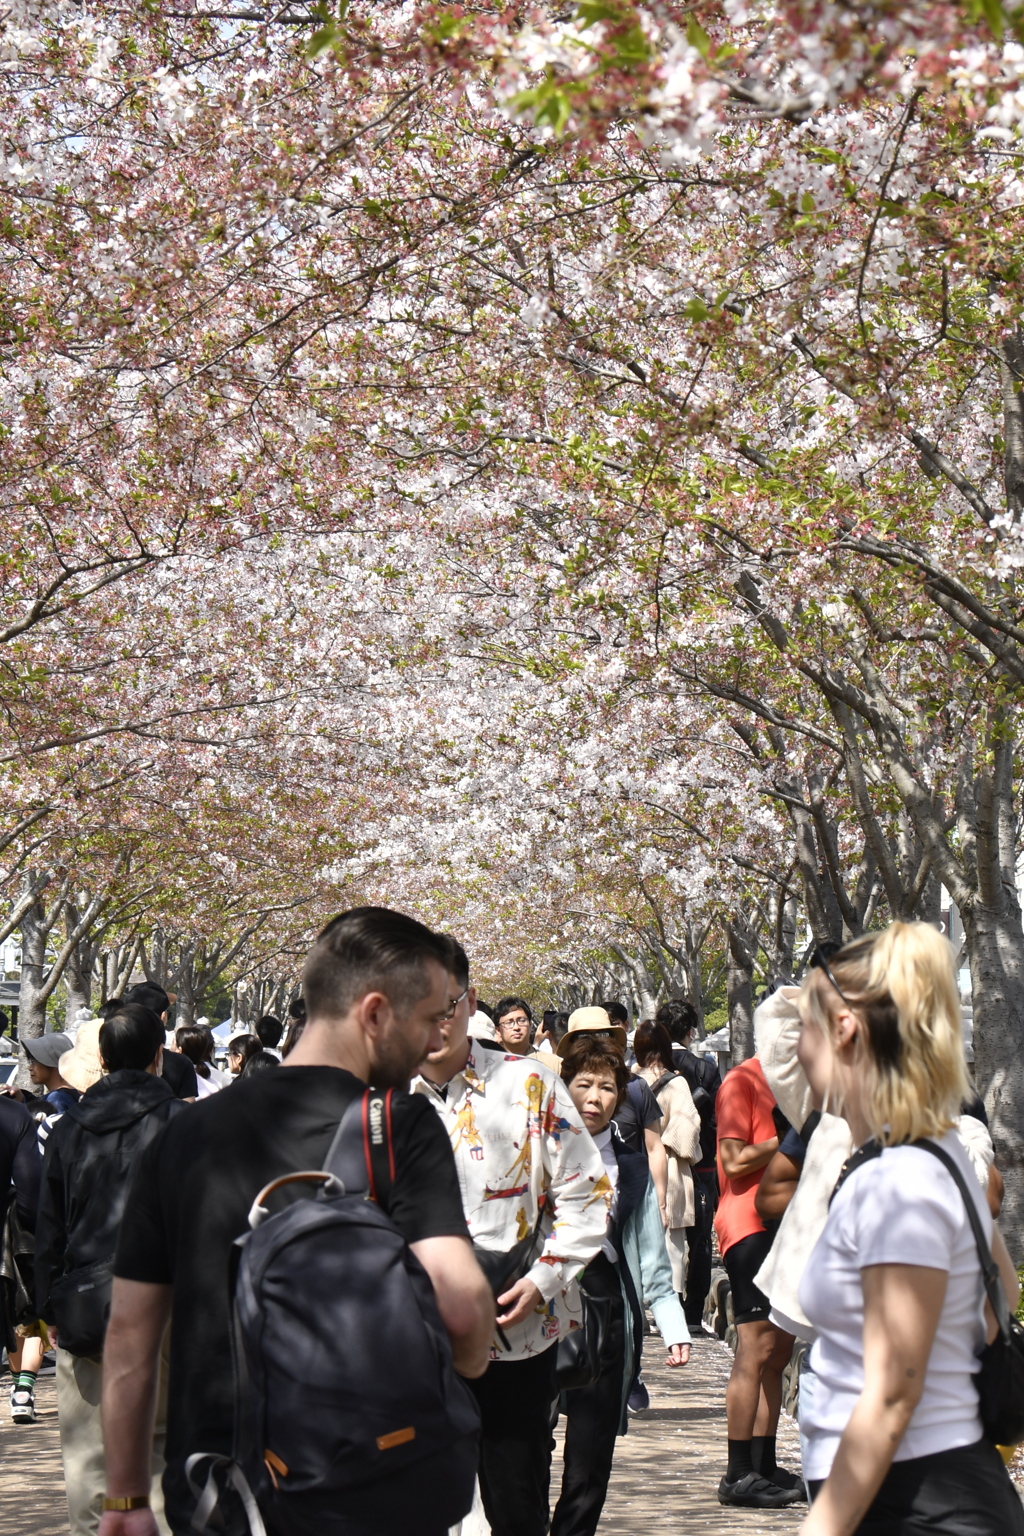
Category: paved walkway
[666,1469]
[31,1476]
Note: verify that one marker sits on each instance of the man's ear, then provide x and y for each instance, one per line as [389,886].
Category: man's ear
[373,1011]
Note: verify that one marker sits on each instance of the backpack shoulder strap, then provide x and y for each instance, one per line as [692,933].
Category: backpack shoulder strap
[706,1069]
[989,1268]
[663,1081]
[362,1154]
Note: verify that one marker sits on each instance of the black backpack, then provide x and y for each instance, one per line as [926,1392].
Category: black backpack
[343,1368]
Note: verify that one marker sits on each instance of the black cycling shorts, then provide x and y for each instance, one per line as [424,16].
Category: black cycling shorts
[742,1262]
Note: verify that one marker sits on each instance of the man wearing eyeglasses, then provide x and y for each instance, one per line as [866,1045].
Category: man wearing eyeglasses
[536,1198]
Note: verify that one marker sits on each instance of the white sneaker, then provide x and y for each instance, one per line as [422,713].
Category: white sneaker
[23,1405]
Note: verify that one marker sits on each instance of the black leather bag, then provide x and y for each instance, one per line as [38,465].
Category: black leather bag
[581,1352]
[1001,1378]
[504,1267]
[81,1307]
[507,1265]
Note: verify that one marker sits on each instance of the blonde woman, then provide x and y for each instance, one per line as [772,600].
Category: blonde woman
[680,1135]
[889,1413]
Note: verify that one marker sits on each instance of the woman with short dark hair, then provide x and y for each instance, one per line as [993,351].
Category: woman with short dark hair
[630,1273]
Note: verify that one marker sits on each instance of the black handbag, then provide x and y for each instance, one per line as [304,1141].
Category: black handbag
[1001,1378]
[581,1352]
[507,1265]
[1000,1381]
[80,1302]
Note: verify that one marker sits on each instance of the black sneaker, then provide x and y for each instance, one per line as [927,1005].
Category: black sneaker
[783,1478]
[756,1492]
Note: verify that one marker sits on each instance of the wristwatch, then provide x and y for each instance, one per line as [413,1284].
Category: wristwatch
[137,1501]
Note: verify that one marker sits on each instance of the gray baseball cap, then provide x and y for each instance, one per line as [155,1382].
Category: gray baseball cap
[48,1049]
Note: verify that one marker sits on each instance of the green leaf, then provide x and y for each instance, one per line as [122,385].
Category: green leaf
[547,103]
[632,47]
[323,38]
[592,11]
[697,37]
[993,13]
[807,203]
[445,26]
[696,309]
[994,16]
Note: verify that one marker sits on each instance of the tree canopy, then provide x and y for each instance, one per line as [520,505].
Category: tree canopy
[556,470]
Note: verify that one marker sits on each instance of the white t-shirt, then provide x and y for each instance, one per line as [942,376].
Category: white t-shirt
[899,1208]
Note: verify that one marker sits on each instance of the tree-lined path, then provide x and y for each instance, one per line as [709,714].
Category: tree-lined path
[562,479]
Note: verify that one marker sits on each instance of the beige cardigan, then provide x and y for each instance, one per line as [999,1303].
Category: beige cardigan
[679,1129]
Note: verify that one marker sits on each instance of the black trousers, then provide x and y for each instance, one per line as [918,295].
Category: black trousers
[966,1492]
[592,1418]
[698,1243]
[515,1399]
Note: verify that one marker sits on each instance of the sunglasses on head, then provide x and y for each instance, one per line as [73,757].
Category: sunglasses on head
[828,972]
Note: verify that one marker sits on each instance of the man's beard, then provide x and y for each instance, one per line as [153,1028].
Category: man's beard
[396,1060]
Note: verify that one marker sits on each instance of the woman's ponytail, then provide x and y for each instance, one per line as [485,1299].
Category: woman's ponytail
[903,984]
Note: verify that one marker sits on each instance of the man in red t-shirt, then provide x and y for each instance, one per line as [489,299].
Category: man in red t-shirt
[747,1141]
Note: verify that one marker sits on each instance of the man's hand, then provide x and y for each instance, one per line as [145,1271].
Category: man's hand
[520,1301]
[679,1354]
[128,1522]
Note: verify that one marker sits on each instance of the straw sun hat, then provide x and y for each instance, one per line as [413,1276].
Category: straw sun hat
[81,1066]
[591,1021]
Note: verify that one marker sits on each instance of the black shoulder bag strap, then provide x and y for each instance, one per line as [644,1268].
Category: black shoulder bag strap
[990,1275]
[989,1268]
[855,1160]
[362,1154]
[809,1126]
[666,1077]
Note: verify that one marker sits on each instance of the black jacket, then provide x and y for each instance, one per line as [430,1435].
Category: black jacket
[89,1159]
[179,1072]
[20,1163]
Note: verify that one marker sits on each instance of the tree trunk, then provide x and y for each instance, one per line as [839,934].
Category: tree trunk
[740,993]
[185,1006]
[78,979]
[697,995]
[995,946]
[78,968]
[31,1003]
[1012,371]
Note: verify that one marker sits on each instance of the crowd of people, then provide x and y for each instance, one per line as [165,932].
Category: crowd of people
[347,1283]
